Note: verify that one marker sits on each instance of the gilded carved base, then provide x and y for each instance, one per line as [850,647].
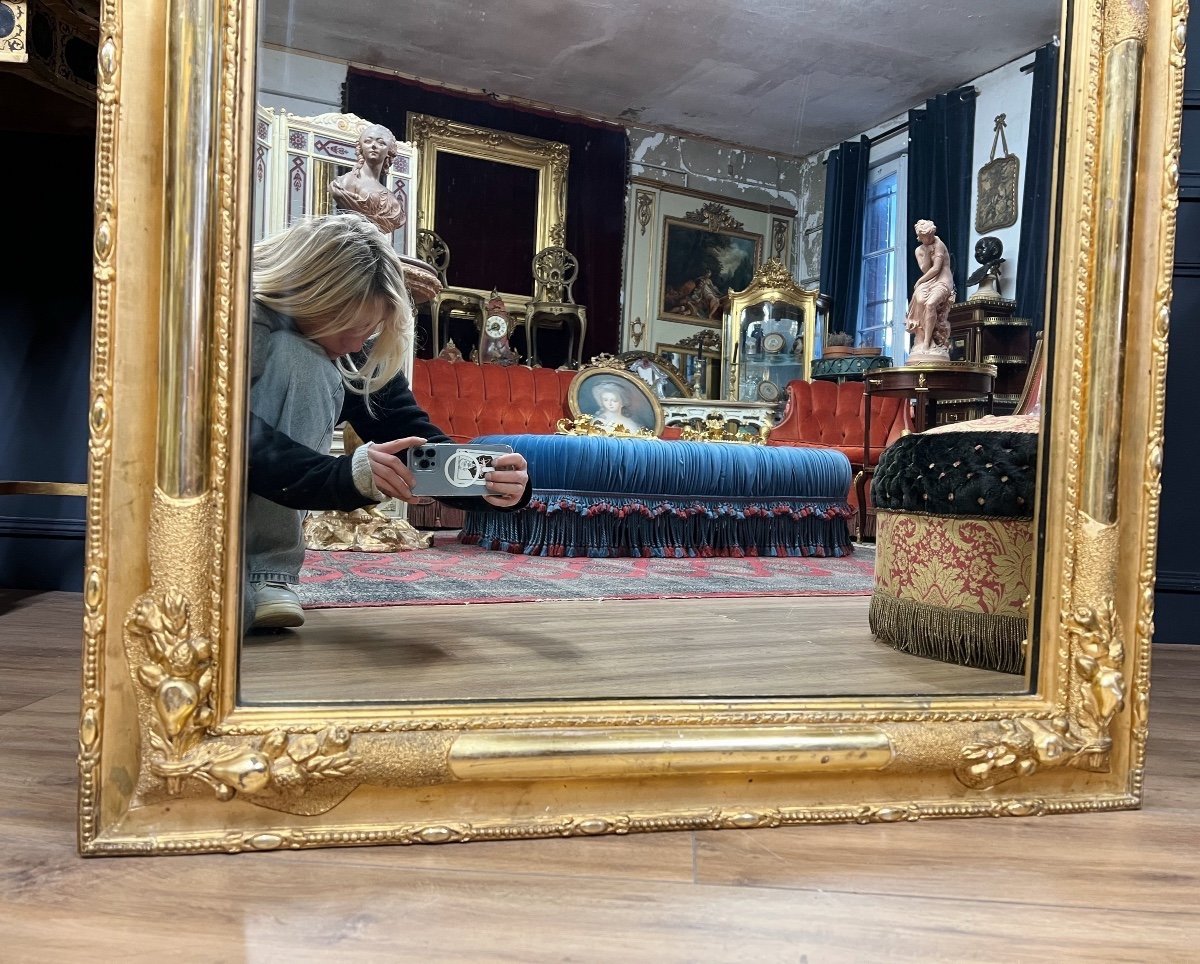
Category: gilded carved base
[363,530]
[1079,736]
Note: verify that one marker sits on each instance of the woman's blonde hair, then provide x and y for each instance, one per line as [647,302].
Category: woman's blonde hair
[324,273]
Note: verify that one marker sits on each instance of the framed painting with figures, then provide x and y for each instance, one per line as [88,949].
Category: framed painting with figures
[701,264]
[411,723]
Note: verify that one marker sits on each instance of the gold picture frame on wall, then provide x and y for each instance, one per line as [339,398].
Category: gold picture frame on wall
[549,160]
[172,762]
[705,256]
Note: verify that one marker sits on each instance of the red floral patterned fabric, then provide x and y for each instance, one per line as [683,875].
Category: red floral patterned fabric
[964,564]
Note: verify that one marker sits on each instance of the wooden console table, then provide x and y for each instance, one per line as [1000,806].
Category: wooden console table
[925,384]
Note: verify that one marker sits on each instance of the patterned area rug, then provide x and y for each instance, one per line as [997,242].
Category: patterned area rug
[453,573]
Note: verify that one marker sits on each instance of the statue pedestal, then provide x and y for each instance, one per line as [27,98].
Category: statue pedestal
[988,332]
[929,359]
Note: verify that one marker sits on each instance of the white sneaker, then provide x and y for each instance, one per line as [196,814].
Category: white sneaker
[276,607]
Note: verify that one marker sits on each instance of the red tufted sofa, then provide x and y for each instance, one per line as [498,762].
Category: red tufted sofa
[468,400]
[830,415]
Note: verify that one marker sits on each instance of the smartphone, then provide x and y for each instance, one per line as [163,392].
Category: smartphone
[451,468]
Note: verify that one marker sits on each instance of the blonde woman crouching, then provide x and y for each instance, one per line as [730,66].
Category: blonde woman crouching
[331,325]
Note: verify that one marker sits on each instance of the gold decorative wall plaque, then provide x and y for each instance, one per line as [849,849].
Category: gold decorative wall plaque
[996,205]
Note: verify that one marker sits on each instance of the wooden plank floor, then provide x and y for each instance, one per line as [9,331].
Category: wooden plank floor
[1106,887]
[781,646]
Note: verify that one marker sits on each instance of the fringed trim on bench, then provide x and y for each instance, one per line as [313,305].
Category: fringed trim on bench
[983,640]
[602,526]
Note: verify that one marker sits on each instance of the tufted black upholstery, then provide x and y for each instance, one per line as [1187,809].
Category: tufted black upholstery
[964,473]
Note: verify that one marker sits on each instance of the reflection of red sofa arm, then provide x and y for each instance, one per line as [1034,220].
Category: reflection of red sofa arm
[830,415]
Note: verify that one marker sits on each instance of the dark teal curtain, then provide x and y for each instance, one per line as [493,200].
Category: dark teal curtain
[1030,293]
[941,147]
[842,231]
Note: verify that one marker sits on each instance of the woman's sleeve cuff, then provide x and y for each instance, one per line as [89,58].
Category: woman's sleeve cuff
[364,478]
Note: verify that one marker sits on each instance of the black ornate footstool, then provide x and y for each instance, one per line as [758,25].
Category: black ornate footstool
[954,544]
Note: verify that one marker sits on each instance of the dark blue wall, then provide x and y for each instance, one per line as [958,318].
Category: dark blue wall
[45,321]
[1177,600]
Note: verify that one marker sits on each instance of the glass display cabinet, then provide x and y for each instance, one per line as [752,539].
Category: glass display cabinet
[769,332]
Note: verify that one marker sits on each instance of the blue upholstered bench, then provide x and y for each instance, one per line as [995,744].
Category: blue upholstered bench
[596,496]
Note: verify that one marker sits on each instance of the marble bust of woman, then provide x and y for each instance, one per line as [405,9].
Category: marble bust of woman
[362,188]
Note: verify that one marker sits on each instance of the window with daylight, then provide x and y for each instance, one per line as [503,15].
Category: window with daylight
[882,304]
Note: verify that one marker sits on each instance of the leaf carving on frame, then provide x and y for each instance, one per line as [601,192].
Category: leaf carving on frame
[702,341]
[1009,749]
[773,274]
[177,674]
[715,217]
[645,206]
[779,237]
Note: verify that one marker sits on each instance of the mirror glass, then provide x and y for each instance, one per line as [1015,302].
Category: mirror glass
[740,570]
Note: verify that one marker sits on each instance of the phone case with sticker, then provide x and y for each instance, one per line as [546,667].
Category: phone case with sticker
[451,468]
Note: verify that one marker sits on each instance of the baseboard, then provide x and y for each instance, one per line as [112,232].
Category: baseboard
[22,527]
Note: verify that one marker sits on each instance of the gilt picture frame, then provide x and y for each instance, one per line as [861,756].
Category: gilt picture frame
[171,762]
[546,162]
[702,261]
[698,364]
[640,410]
[664,378]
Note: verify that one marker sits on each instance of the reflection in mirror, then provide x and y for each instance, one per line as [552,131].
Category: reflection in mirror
[660,373]
[879,539]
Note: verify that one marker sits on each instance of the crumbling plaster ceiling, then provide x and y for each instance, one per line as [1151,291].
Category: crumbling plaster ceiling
[783,76]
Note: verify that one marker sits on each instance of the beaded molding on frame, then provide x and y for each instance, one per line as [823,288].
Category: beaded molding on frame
[309,767]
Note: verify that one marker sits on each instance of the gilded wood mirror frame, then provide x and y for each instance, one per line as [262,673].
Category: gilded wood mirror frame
[170,762]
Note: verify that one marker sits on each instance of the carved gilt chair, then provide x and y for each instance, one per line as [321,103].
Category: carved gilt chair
[450,301]
[553,306]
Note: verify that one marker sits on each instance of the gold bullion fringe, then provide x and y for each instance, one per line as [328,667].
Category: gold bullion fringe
[984,640]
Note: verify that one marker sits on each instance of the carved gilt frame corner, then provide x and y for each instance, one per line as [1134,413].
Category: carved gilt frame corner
[169,761]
